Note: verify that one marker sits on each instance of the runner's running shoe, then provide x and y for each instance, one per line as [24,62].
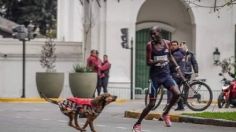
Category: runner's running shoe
[166,119]
[137,128]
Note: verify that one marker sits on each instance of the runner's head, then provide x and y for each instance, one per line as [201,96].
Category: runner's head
[155,33]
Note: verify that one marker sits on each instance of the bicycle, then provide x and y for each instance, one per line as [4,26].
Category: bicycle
[192,94]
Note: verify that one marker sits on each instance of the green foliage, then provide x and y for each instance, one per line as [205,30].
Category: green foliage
[48,57]
[215,115]
[81,68]
[228,65]
[43,13]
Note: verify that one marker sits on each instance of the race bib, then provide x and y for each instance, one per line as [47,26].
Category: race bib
[166,50]
[161,58]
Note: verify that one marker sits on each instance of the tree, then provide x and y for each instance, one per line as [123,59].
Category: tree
[216,4]
[41,12]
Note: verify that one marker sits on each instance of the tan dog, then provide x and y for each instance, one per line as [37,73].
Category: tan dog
[84,107]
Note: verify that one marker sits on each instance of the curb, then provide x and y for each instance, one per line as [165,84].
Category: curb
[150,116]
[25,100]
[207,121]
[183,118]
[121,101]
[41,100]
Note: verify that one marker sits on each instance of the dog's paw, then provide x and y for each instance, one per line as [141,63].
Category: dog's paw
[81,129]
[70,124]
[93,130]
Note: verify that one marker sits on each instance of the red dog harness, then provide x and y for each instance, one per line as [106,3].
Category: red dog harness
[81,101]
[78,105]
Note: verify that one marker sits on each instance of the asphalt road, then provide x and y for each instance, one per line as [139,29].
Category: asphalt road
[45,117]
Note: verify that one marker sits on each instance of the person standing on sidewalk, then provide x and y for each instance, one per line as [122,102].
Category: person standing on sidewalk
[179,55]
[157,53]
[104,77]
[94,62]
[98,65]
[186,60]
[190,63]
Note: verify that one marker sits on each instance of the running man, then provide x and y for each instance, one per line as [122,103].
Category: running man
[157,57]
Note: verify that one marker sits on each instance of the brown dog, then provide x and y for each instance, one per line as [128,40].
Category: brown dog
[84,107]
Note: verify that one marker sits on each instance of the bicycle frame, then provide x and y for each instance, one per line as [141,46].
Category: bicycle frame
[187,87]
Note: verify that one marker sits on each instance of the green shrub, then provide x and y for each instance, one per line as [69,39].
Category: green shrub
[48,56]
[81,68]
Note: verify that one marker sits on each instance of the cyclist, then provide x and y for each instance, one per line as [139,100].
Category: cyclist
[187,62]
[157,51]
[179,55]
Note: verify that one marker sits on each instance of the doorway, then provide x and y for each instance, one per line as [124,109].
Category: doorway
[141,68]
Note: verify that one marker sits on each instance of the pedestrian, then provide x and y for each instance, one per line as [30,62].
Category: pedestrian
[157,52]
[104,77]
[190,63]
[179,55]
[94,62]
[98,65]
[186,60]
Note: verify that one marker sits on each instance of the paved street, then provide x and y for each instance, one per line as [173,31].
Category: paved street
[45,117]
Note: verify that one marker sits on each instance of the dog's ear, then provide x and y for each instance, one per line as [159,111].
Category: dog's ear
[97,99]
[105,95]
[101,98]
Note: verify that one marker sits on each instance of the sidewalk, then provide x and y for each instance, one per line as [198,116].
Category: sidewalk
[23,100]
[176,116]
[41,100]
[133,108]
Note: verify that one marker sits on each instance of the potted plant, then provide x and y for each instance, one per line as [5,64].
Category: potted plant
[82,81]
[49,83]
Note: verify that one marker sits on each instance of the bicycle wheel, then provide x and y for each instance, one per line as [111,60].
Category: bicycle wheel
[159,96]
[198,96]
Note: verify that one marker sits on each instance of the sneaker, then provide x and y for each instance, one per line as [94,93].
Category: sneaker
[137,128]
[166,118]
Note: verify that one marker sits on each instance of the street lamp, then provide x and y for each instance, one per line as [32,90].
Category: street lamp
[216,56]
[23,34]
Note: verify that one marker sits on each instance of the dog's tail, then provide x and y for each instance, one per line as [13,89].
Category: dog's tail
[48,99]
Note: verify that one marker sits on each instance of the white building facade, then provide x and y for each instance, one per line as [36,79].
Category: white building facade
[83,26]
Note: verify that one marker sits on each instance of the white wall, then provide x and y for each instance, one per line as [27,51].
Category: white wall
[68,49]
[171,13]
[203,30]
[120,15]
[105,38]
[68,54]
[211,32]
[70,21]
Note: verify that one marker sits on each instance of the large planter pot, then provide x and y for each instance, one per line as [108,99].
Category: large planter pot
[83,85]
[50,84]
